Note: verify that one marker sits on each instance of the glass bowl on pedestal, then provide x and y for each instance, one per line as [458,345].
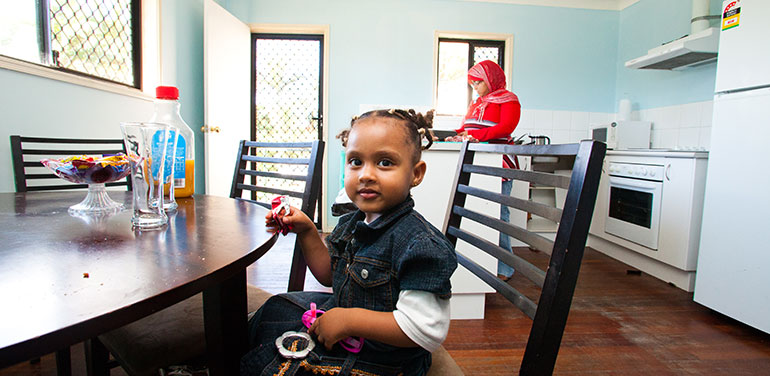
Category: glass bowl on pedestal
[96,172]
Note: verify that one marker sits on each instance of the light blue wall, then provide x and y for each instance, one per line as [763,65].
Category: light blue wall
[383,51]
[182,55]
[650,23]
[40,107]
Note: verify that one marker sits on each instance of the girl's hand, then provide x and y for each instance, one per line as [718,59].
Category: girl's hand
[331,327]
[297,219]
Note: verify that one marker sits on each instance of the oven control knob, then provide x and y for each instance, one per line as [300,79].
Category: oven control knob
[644,171]
[652,173]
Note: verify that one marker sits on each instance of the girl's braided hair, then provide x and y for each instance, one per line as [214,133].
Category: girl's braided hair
[418,127]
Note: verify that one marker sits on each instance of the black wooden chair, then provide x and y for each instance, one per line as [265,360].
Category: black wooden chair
[557,282]
[31,175]
[264,163]
[175,335]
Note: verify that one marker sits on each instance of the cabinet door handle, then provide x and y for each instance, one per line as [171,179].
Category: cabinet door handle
[668,169]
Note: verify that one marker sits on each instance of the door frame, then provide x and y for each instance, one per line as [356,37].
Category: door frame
[319,30]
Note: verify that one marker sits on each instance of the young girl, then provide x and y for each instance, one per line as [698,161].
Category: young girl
[388,267]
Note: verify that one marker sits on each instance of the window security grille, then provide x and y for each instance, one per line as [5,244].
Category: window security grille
[95,38]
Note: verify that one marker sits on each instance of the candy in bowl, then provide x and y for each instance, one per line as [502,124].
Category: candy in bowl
[95,171]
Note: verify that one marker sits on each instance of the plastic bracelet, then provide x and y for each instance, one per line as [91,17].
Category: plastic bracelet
[289,354]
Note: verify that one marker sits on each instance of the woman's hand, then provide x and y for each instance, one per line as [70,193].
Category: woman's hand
[460,137]
[331,327]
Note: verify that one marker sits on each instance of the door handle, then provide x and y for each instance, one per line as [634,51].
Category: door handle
[312,118]
[206,129]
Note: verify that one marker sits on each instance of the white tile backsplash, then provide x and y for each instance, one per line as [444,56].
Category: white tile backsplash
[561,137]
[685,126]
[691,115]
[579,121]
[705,137]
[688,137]
[543,119]
[562,120]
[707,108]
[600,118]
[560,126]
[669,139]
[575,136]
[526,120]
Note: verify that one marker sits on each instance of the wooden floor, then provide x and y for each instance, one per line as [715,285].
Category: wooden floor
[621,323]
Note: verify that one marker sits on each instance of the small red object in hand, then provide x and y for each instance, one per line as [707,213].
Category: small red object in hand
[279,204]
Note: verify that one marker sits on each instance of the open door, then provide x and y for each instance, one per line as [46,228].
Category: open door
[227,89]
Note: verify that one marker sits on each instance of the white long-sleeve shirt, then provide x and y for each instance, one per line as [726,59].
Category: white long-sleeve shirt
[424,317]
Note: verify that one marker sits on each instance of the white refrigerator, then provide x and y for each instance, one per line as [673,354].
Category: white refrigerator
[733,272]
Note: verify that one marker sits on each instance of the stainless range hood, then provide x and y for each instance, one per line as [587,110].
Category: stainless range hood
[700,47]
[692,50]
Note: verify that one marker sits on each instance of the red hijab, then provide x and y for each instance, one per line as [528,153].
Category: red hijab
[492,75]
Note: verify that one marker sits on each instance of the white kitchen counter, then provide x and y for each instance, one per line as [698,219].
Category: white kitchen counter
[666,153]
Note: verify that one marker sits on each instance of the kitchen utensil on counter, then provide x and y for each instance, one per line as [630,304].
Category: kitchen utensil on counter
[519,140]
[539,140]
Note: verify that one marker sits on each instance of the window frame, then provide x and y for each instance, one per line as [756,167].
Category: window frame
[148,59]
[448,121]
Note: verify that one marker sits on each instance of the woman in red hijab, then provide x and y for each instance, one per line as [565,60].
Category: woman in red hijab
[492,117]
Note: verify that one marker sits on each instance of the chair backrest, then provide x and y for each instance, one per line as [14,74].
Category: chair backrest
[286,168]
[27,152]
[557,282]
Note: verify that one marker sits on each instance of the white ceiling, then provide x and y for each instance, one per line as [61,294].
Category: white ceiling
[584,4]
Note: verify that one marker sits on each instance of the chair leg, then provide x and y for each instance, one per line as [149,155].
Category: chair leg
[97,358]
[63,362]
[298,269]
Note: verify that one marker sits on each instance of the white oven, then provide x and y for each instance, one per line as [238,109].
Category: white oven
[634,202]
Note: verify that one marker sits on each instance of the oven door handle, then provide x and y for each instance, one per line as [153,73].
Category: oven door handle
[633,184]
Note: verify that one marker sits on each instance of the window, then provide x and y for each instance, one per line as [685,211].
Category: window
[455,54]
[455,57]
[97,39]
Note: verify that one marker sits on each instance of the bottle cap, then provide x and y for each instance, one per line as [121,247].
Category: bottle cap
[167,92]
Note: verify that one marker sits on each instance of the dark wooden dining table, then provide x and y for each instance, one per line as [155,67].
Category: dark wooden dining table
[65,279]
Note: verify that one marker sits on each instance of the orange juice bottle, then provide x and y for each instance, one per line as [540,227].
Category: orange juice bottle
[167,111]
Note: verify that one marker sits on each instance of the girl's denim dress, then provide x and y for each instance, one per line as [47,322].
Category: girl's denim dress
[371,264]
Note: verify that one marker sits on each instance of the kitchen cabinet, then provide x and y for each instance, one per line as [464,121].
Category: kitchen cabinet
[674,260]
[681,211]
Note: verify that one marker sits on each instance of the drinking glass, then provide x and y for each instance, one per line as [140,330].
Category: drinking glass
[146,144]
